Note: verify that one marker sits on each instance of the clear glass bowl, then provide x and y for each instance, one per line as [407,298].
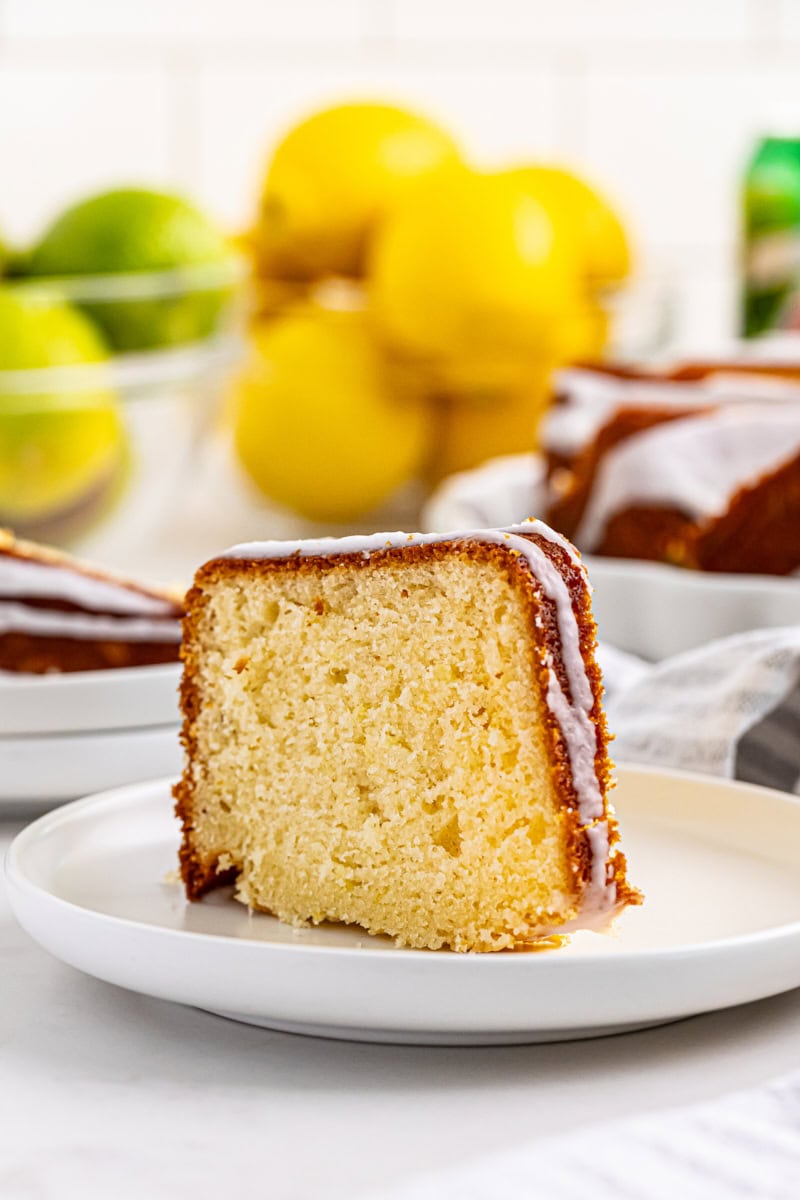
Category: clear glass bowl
[99,451]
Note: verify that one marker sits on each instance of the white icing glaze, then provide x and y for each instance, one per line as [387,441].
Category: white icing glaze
[593,398]
[551,535]
[572,712]
[90,627]
[695,464]
[26,577]
[370,543]
[731,384]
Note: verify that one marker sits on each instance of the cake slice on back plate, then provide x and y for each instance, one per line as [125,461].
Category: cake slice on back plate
[403,732]
[717,489]
[58,614]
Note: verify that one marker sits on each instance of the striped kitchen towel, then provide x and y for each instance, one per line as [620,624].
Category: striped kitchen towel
[730,708]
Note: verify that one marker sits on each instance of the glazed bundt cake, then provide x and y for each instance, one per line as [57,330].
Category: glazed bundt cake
[402,732]
[693,468]
[57,614]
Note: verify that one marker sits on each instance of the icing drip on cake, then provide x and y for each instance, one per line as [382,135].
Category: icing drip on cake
[25,577]
[694,465]
[592,398]
[572,712]
[49,622]
[108,611]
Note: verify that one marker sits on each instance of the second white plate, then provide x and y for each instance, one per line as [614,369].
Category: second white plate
[88,701]
[720,926]
[40,770]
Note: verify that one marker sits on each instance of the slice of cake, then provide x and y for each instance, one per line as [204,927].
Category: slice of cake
[57,614]
[403,732]
[718,490]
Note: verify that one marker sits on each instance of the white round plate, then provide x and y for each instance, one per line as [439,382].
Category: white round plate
[94,884]
[78,701]
[645,608]
[40,769]
[654,610]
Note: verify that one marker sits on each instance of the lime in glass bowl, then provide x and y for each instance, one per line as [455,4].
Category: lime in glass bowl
[100,438]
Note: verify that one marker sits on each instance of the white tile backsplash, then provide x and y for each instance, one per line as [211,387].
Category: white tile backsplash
[659,103]
[186,21]
[67,130]
[575,22]
[674,146]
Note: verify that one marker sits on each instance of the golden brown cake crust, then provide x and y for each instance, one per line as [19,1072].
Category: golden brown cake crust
[566,511]
[24,654]
[200,875]
[758,532]
[654,532]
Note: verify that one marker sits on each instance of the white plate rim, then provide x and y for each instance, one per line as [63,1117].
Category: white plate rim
[69,680]
[75,702]
[711,580]
[89,740]
[114,797]
[52,769]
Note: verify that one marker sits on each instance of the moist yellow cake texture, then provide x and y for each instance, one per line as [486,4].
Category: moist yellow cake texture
[403,733]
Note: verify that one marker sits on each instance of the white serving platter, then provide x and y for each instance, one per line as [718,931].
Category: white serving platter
[655,610]
[649,609]
[43,769]
[89,701]
[94,883]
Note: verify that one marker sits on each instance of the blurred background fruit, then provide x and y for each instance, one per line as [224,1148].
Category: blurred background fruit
[132,230]
[466,290]
[317,426]
[586,219]
[405,313]
[333,177]
[466,435]
[62,452]
[473,277]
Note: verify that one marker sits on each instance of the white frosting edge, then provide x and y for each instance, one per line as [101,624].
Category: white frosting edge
[598,900]
[48,622]
[695,464]
[593,397]
[26,577]
[372,543]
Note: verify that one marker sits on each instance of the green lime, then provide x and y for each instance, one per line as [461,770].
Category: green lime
[134,230]
[61,451]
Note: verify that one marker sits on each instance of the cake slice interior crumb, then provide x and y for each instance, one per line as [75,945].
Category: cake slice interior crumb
[371,748]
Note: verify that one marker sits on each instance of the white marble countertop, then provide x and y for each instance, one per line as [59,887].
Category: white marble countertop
[106,1094]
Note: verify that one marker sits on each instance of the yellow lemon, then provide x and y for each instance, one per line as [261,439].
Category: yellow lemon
[586,217]
[585,334]
[469,434]
[316,425]
[472,276]
[333,177]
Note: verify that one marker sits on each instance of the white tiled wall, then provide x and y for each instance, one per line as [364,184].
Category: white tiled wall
[659,101]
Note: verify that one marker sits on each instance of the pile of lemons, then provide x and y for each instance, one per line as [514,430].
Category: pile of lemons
[411,307]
